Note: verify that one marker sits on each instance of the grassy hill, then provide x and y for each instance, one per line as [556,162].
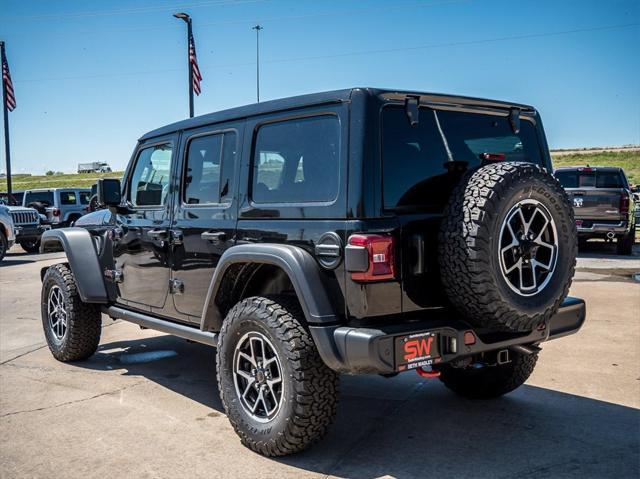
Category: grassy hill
[629,160]
[74,180]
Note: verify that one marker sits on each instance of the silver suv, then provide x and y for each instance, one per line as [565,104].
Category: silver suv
[61,206]
[7,233]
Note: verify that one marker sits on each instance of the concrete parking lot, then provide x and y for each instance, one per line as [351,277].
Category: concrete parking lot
[146,405]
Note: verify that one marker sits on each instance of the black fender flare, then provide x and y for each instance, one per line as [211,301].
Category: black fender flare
[82,258]
[298,264]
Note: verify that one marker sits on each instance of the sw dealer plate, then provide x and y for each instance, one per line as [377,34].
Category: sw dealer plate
[416,350]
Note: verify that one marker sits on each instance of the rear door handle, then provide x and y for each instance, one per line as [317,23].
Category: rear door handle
[214,237]
[157,234]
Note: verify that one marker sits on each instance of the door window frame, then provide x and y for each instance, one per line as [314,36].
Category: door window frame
[134,164]
[185,164]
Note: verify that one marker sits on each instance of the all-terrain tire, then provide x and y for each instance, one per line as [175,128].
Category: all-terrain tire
[4,245]
[310,388]
[625,242]
[83,320]
[31,246]
[470,246]
[489,381]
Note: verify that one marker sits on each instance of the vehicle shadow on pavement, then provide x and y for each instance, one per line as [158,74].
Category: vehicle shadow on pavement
[410,427]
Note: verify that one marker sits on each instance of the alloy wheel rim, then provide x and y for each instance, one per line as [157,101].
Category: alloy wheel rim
[257,376]
[528,247]
[57,313]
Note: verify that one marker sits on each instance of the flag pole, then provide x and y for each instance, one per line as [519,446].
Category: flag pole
[5,113]
[187,19]
[189,36]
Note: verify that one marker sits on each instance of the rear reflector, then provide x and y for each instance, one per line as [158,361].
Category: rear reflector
[624,204]
[379,251]
[469,338]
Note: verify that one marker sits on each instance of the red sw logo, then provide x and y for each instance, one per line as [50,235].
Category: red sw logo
[417,348]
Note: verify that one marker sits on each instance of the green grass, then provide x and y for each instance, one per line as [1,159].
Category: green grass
[628,160]
[75,180]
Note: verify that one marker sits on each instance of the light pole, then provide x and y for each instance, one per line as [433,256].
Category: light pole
[187,20]
[257,28]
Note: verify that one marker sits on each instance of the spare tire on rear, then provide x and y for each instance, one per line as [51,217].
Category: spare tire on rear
[507,246]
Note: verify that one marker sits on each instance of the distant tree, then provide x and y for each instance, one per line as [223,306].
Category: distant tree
[50,173]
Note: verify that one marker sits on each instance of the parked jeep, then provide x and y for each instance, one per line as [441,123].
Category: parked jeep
[358,231]
[61,206]
[7,231]
[603,204]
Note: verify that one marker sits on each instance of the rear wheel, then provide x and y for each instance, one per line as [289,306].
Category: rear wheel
[278,394]
[625,242]
[488,382]
[508,246]
[31,246]
[72,328]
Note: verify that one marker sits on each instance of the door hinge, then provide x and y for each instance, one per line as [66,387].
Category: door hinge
[176,286]
[113,275]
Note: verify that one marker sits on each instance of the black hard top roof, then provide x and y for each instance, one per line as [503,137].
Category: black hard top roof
[335,96]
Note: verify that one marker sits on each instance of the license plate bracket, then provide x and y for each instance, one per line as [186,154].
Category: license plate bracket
[416,350]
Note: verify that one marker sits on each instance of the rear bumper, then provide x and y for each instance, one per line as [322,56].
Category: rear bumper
[372,350]
[602,228]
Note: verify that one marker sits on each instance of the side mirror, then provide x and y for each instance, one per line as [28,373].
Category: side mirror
[108,191]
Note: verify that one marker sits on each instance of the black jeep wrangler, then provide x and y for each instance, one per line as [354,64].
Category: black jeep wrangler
[354,231]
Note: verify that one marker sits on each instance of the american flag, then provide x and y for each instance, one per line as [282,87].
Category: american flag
[10,96]
[193,60]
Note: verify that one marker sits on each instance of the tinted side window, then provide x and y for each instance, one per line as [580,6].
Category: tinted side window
[67,198]
[209,168]
[297,161]
[85,196]
[150,178]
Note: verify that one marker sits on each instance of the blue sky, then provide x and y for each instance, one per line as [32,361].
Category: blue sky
[91,77]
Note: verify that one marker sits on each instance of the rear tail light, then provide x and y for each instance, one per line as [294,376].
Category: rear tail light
[624,204]
[375,260]
[56,212]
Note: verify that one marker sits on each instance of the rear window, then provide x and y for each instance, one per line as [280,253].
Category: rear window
[590,179]
[296,161]
[45,197]
[414,157]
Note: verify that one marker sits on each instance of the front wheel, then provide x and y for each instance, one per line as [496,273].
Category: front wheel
[72,328]
[489,381]
[4,245]
[31,246]
[278,394]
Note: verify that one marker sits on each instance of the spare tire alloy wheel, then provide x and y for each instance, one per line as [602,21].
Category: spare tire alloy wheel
[528,247]
[257,375]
